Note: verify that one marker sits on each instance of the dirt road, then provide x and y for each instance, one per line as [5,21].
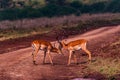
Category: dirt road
[17,65]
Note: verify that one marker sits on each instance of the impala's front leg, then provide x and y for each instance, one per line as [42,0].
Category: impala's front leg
[70,55]
[50,57]
[34,55]
[75,57]
[44,56]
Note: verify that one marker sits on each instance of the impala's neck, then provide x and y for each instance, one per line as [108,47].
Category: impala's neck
[56,50]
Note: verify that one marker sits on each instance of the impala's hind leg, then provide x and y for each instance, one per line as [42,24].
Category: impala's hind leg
[87,51]
[50,57]
[75,57]
[44,56]
[70,55]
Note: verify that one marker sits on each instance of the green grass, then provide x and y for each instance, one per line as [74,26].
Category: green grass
[17,33]
[115,43]
[108,66]
[12,33]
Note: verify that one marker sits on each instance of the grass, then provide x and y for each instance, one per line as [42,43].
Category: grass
[71,24]
[115,43]
[108,66]
[82,26]
[17,33]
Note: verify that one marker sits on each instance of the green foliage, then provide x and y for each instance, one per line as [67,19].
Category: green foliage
[97,7]
[113,6]
[77,5]
[29,12]
[32,9]
[9,14]
[5,3]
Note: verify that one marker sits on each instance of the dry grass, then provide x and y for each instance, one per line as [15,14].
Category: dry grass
[108,66]
[16,33]
[109,63]
[57,21]
[27,27]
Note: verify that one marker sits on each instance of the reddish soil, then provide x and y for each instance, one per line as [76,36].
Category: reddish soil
[16,60]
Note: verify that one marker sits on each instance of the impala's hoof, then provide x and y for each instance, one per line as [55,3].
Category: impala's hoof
[68,64]
[63,54]
[52,64]
[77,63]
[89,61]
[34,63]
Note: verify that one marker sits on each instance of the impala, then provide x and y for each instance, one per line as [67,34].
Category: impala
[73,46]
[46,47]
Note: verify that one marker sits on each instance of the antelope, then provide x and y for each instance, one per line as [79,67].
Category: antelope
[46,47]
[74,46]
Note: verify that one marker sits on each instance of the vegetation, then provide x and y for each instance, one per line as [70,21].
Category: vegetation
[22,9]
[108,63]
[12,33]
[19,9]
[109,66]
[70,24]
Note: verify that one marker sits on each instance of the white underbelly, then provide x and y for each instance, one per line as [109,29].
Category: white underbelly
[77,47]
[42,47]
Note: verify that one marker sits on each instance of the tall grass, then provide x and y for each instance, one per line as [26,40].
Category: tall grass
[58,21]
[108,63]
[12,33]
[71,24]
[109,66]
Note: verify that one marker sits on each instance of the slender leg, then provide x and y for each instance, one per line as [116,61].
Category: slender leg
[75,57]
[44,56]
[34,55]
[89,53]
[50,57]
[69,60]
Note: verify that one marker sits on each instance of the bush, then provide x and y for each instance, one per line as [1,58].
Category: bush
[10,14]
[97,7]
[13,14]
[113,6]
[56,10]
[59,8]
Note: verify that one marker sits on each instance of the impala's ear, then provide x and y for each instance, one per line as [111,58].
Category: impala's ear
[58,39]
[54,44]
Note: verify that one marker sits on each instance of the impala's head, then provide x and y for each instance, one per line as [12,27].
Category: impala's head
[62,44]
[56,50]
[61,41]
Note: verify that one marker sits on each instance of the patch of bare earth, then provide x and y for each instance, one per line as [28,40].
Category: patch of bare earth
[17,65]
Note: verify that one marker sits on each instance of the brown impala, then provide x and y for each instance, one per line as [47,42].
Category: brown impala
[46,47]
[73,46]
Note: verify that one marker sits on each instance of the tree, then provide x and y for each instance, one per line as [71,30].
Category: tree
[5,3]
[58,2]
